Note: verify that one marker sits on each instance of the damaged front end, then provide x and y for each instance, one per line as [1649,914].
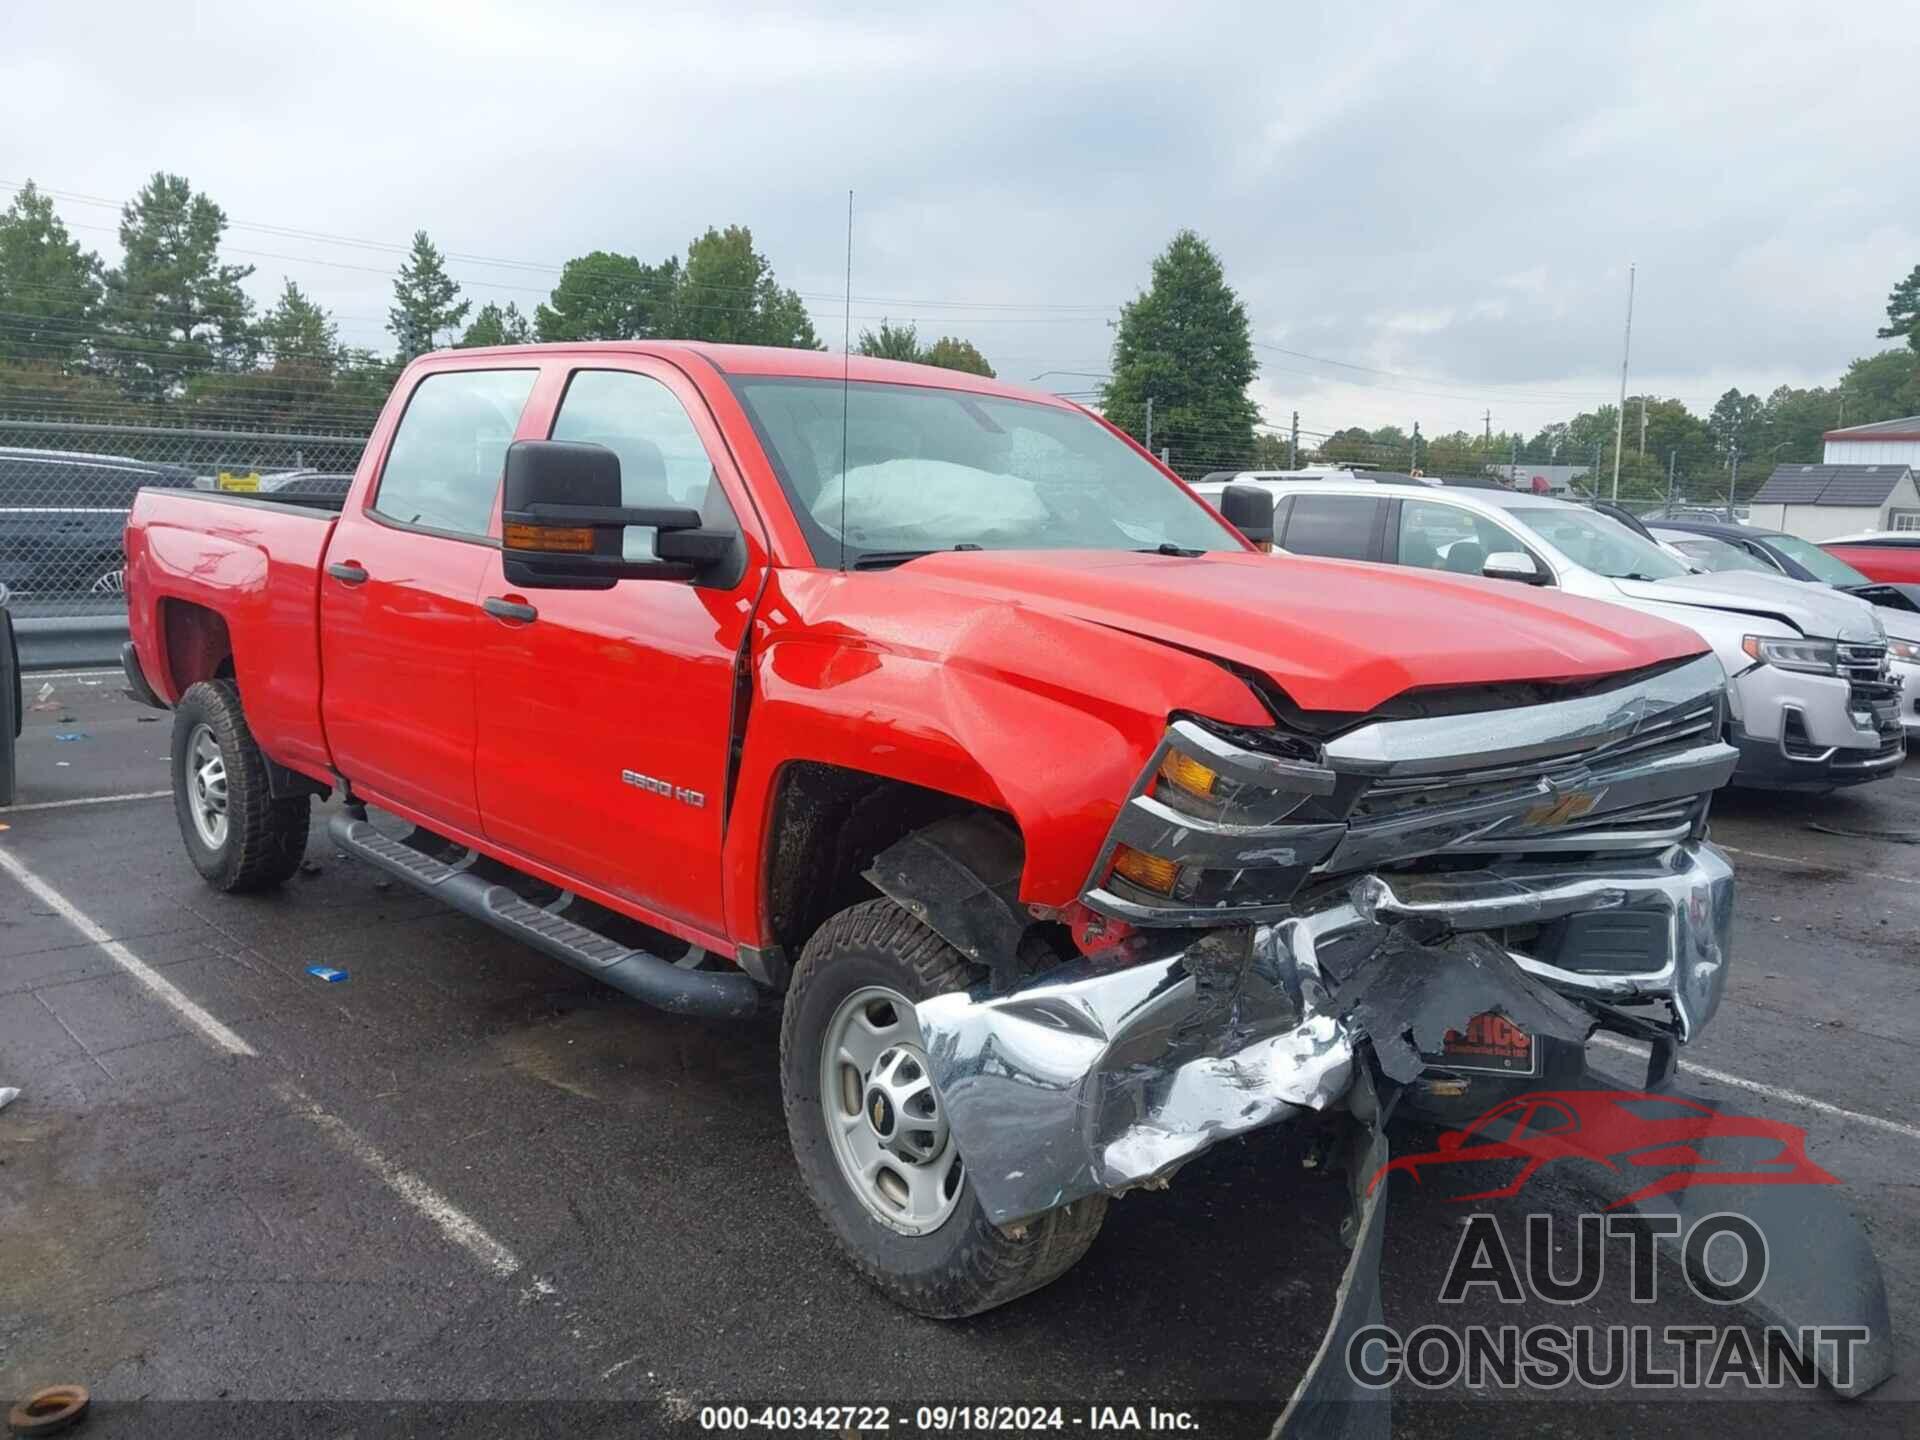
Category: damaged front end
[1286,901]
[1306,922]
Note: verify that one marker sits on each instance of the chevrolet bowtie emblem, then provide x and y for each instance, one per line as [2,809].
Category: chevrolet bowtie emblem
[1562,805]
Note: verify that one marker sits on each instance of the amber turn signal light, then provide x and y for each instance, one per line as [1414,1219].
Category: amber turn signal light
[1149,872]
[1188,773]
[560,539]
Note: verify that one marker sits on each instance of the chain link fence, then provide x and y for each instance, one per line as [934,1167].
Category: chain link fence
[66,487]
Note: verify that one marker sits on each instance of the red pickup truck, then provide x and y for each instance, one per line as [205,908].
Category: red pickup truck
[1072,833]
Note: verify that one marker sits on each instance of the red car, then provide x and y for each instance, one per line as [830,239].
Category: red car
[746,678]
[1626,1131]
[1889,556]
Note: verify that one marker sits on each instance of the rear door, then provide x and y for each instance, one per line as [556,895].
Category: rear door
[399,598]
[606,716]
[1339,527]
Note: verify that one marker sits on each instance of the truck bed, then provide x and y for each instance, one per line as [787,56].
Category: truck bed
[203,562]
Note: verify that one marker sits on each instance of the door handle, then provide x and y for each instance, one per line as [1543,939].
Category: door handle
[348,573]
[509,609]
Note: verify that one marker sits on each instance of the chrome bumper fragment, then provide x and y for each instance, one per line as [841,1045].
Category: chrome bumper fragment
[1111,1071]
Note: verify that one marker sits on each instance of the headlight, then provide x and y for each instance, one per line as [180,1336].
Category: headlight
[1813,657]
[1208,829]
[1907,650]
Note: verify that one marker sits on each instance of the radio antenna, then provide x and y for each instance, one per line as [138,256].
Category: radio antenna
[846,381]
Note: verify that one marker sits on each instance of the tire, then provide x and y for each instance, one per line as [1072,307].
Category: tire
[964,1264]
[261,840]
[12,703]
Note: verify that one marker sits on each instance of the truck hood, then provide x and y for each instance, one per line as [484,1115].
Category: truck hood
[1817,611]
[1334,635]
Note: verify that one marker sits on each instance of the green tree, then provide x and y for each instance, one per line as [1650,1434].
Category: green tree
[603,296]
[891,342]
[1733,419]
[299,336]
[950,352]
[1881,387]
[49,287]
[726,292]
[423,300]
[1184,343]
[1903,312]
[300,346]
[171,308]
[497,326]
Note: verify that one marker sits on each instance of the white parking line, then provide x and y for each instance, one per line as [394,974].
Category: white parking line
[453,1222]
[1816,865]
[85,800]
[217,1035]
[1772,1092]
[27,677]
[459,1227]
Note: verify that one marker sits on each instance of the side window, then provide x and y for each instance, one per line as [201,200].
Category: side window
[443,470]
[662,460]
[1337,526]
[1445,537]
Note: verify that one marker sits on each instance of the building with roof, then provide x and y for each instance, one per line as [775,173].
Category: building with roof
[1885,442]
[1819,502]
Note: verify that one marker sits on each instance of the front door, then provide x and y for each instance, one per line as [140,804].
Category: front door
[604,720]
[399,598]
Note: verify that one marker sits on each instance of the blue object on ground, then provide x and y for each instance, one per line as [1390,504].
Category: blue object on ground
[74,735]
[326,973]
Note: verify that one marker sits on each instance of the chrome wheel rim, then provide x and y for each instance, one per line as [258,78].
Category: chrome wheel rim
[887,1128]
[206,781]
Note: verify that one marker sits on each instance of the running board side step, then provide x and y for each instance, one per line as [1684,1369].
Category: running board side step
[644,976]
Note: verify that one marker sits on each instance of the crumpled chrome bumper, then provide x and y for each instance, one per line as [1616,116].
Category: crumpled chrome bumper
[1113,1070]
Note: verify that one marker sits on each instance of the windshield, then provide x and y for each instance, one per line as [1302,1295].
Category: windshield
[1823,566]
[931,469]
[1714,554]
[1598,543]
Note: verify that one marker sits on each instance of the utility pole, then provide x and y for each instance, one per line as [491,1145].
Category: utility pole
[1733,481]
[1672,455]
[1643,427]
[1620,415]
[1513,464]
[1413,451]
[1149,445]
[1296,441]
[1488,420]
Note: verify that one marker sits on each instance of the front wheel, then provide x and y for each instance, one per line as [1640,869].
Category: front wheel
[238,836]
[871,1137]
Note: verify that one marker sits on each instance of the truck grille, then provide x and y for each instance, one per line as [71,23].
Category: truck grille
[1871,689]
[1389,799]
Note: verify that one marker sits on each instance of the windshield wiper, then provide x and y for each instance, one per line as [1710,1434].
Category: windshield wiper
[1636,575]
[887,559]
[1167,547]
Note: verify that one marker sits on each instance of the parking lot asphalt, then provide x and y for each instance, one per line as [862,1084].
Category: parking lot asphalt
[467,1174]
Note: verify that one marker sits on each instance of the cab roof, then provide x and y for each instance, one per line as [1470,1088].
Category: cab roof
[776,361]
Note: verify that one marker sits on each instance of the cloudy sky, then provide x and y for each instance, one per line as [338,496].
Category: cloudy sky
[1428,209]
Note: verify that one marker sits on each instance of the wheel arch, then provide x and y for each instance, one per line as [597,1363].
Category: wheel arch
[837,836]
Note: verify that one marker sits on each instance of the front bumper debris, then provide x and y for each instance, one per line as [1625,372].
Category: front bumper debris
[1114,1070]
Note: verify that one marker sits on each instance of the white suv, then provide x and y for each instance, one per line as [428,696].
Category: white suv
[1812,700]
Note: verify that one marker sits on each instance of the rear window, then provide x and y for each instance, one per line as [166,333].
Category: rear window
[1338,526]
[444,468]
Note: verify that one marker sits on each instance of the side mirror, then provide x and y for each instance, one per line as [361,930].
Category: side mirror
[1249,509]
[563,526]
[1512,565]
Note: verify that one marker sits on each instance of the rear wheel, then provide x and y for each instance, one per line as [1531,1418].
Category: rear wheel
[238,836]
[870,1134]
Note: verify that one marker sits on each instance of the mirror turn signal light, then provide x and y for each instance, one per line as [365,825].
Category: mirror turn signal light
[1149,872]
[558,539]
